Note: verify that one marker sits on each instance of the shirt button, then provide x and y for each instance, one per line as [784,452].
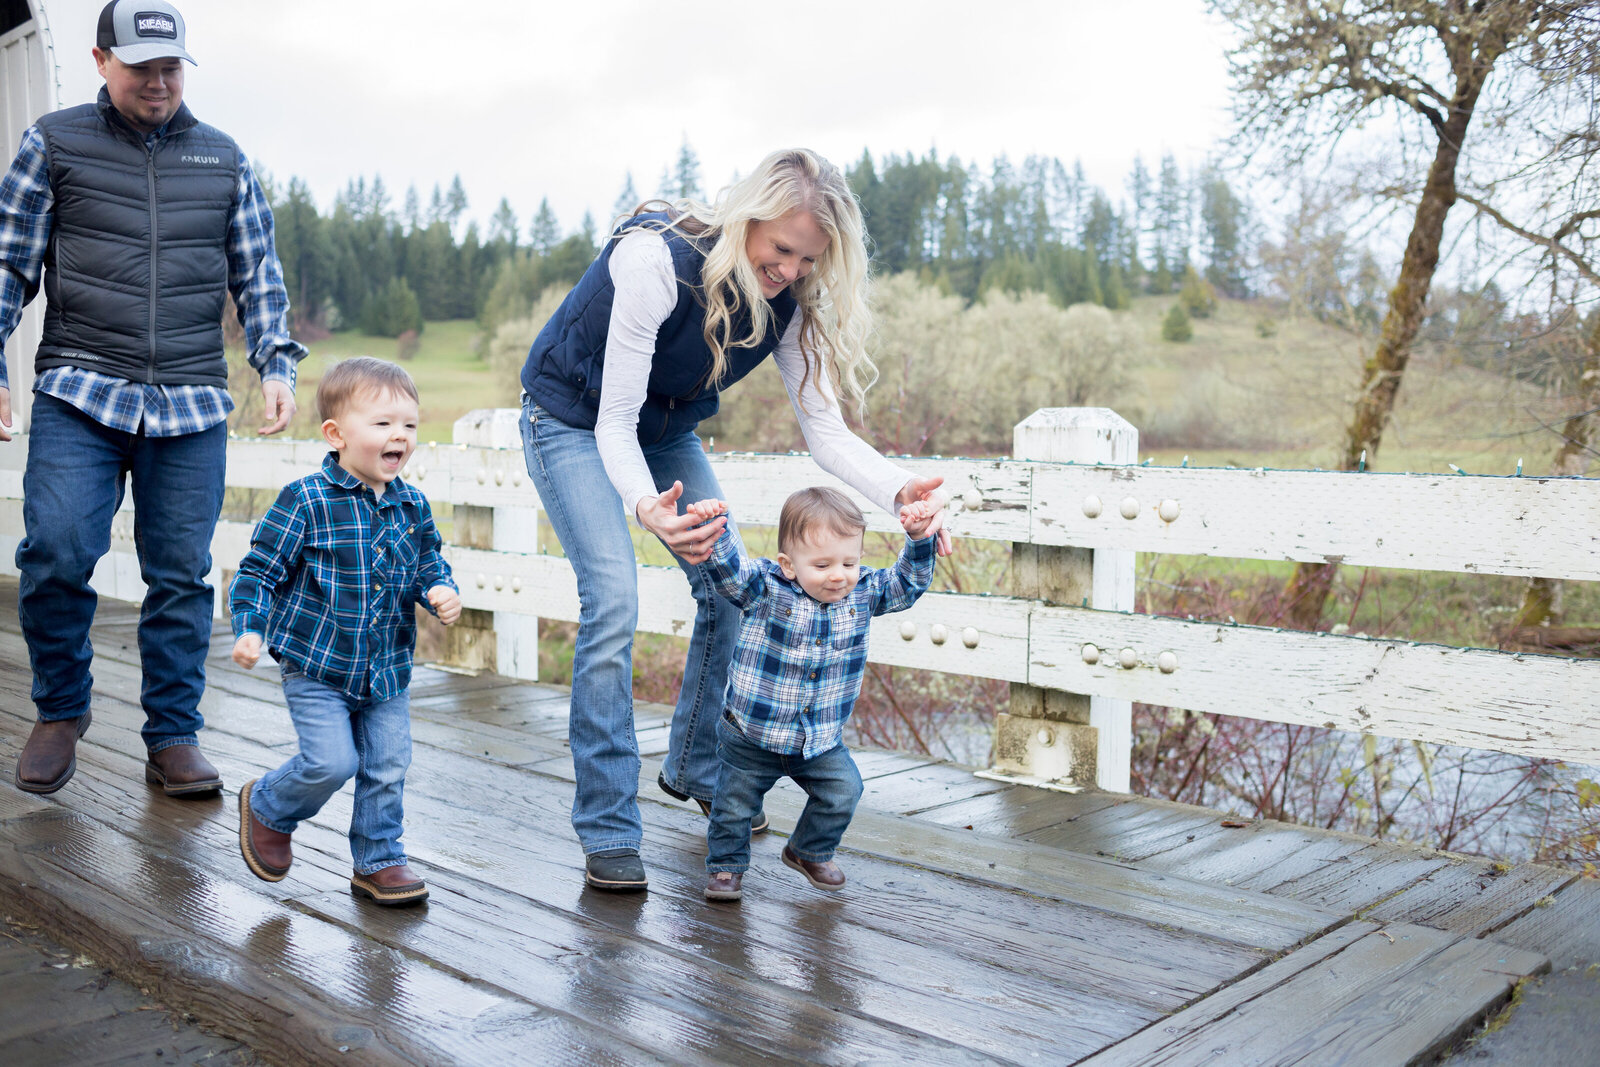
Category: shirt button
[819,642]
[376,588]
[813,674]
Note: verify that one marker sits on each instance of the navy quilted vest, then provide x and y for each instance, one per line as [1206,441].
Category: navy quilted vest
[566,364]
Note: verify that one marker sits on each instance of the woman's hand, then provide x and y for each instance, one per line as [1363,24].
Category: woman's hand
[684,535]
[927,488]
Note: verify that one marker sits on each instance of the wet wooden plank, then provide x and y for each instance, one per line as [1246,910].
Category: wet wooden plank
[1395,994]
[1018,810]
[74,1012]
[1353,882]
[915,789]
[1471,897]
[235,957]
[1120,890]
[1566,928]
[1129,831]
[1241,856]
[1056,1001]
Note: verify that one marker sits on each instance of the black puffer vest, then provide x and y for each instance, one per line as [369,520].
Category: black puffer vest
[136,271]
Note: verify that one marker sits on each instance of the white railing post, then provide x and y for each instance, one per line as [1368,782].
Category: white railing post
[1049,736]
[506,642]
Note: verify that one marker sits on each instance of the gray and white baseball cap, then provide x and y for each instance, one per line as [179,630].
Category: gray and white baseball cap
[137,31]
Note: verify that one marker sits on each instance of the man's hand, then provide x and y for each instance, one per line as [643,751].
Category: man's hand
[446,603]
[247,650]
[278,406]
[682,534]
[5,414]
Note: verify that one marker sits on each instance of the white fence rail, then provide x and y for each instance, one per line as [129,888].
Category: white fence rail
[1088,644]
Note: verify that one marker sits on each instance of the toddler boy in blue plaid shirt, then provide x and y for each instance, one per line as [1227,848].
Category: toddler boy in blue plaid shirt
[333,571]
[796,672]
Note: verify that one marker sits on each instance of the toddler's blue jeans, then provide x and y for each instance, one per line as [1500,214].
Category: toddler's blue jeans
[340,738]
[748,771]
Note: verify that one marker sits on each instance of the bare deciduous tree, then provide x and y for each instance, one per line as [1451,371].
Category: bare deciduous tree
[1310,73]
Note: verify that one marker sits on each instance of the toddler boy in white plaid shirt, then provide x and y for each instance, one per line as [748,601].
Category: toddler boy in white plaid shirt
[797,670]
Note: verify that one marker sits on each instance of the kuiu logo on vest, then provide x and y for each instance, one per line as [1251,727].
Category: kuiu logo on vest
[154,24]
[201,159]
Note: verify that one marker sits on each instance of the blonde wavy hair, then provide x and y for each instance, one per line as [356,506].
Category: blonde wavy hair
[836,320]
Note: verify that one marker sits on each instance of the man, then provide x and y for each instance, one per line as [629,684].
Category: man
[140,221]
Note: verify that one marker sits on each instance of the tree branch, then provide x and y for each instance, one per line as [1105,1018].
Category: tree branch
[1553,242]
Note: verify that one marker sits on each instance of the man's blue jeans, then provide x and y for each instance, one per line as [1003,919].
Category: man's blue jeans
[588,518]
[340,738]
[72,486]
[747,772]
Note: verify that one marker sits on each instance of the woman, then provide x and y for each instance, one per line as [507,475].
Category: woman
[678,306]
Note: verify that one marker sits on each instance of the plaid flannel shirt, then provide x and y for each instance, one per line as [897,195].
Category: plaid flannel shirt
[797,666]
[255,278]
[331,577]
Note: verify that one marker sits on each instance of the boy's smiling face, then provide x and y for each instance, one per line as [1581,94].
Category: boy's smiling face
[374,435]
[826,563]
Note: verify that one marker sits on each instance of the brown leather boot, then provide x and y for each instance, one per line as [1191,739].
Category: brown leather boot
[50,757]
[390,887]
[182,771]
[266,851]
[724,885]
[826,875]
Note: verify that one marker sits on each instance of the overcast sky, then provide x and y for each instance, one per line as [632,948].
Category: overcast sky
[525,100]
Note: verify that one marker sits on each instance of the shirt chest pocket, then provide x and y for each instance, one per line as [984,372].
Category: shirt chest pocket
[396,552]
[850,628]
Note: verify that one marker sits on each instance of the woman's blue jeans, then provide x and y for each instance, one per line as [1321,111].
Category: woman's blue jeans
[71,489]
[588,518]
[342,738]
[748,771]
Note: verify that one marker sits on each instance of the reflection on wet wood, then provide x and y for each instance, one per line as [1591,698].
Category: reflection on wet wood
[983,922]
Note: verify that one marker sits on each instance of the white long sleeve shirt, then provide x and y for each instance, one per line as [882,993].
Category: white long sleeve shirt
[646,291]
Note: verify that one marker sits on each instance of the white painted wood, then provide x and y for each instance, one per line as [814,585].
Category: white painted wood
[1091,435]
[1546,527]
[1530,705]
[27,90]
[515,527]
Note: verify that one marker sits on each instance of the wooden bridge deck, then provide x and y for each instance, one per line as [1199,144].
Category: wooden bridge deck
[982,923]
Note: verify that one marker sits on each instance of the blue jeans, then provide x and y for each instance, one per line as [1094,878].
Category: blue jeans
[341,737]
[72,486]
[588,518]
[747,771]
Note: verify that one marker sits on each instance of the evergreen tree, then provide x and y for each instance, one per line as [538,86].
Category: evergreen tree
[1176,327]
[503,229]
[686,174]
[411,214]
[628,200]
[1222,216]
[455,203]
[392,311]
[544,231]
[1196,296]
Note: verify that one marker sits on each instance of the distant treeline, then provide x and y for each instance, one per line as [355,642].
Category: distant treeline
[967,229]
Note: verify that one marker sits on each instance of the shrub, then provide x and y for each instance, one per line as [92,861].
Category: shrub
[392,311]
[1175,327]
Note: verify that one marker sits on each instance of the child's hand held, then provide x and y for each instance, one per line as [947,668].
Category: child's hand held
[446,603]
[247,651]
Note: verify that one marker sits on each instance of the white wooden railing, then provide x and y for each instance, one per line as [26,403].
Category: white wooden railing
[1077,654]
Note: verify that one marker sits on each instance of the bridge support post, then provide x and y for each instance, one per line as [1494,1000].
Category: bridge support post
[1050,737]
[500,641]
